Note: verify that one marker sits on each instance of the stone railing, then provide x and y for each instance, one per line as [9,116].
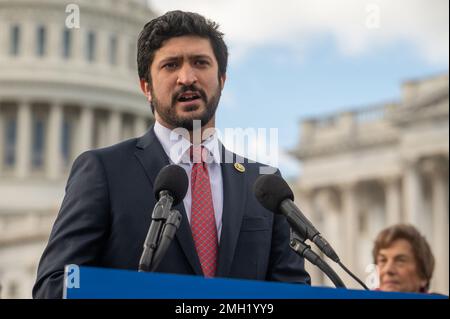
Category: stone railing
[347,127]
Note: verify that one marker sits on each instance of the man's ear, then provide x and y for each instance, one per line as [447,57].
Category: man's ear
[222,79]
[145,87]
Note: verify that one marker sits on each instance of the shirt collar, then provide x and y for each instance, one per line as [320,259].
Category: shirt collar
[177,146]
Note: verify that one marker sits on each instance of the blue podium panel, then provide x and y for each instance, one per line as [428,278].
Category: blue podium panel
[100,283]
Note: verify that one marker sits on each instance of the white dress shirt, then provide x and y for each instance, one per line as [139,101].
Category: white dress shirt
[177,149]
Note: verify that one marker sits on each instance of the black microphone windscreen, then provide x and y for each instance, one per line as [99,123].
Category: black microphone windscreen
[172,178]
[271,190]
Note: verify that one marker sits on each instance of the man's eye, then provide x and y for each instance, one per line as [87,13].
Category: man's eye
[202,62]
[171,65]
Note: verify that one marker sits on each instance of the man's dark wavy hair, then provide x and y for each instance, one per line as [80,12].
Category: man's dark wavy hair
[174,24]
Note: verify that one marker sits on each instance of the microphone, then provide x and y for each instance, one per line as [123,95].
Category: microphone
[297,244]
[274,194]
[173,182]
[167,234]
[170,187]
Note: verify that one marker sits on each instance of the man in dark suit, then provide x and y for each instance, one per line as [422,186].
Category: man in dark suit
[106,212]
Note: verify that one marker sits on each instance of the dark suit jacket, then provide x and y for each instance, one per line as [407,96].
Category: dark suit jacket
[106,212]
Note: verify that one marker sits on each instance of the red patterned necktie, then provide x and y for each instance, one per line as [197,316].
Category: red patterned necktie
[203,222]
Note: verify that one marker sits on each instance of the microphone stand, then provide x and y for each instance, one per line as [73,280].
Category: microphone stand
[159,217]
[297,243]
[306,230]
[167,234]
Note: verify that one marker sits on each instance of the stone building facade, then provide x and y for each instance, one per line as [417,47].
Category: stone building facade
[63,90]
[367,169]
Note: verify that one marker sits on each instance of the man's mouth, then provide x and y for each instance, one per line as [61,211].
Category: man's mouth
[188,96]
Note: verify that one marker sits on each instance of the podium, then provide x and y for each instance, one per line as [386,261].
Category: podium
[102,283]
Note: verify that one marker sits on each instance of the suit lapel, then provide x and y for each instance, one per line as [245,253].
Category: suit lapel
[152,157]
[234,199]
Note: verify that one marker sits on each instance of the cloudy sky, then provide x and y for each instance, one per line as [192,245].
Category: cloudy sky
[294,59]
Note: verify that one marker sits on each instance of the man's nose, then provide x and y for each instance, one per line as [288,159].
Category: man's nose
[186,75]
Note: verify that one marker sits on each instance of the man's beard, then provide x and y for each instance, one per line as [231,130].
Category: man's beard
[169,114]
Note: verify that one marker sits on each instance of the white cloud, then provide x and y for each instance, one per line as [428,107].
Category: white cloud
[298,23]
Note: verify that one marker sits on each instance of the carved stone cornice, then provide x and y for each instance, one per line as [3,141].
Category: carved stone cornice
[343,146]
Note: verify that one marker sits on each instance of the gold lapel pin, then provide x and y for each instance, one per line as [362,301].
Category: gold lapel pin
[239,167]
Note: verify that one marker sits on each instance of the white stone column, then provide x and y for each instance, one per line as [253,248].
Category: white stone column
[2,139]
[441,232]
[413,198]
[305,201]
[440,236]
[131,54]
[122,49]
[127,128]
[332,227]
[102,48]
[350,213]
[54,138]
[140,126]
[78,45]
[23,148]
[4,39]
[28,39]
[85,130]
[102,130]
[114,127]
[393,200]
[55,41]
